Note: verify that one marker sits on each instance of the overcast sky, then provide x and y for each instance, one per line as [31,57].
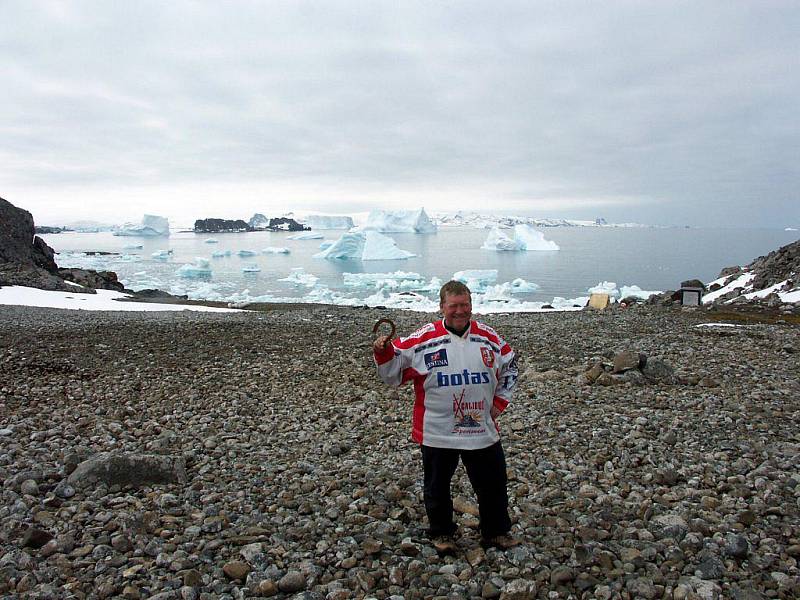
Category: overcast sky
[654,112]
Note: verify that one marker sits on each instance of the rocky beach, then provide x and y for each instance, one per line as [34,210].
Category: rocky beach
[256,454]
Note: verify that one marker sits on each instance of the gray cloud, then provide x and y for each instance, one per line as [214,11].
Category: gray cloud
[653,112]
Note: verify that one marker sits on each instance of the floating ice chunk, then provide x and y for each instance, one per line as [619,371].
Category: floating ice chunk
[275,250]
[402,300]
[306,235]
[220,253]
[400,221]
[161,254]
[364,245]
[476,279]
[298,276]
[627,291]
[151,226]
[329,222]
[212,241]
[605,287]
[251,269]
[532,240]
[246,253]
[325,244]
[520,286]
[133,247]
[499,241]
[199,269]
[367,280]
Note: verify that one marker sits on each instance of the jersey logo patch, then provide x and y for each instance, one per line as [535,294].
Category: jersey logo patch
[488,357]
[436,359]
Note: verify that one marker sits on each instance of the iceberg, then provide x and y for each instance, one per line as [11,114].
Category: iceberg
[329,222]
[212,241]
[325,244]
[399,280]
[532,240]
[477,280]
[251,269]
[499,241]
[298,276]
[525,238]
[161,254]
[220,253]
[275,250]
[133,247]
[626,291]
[306,235]
[199,269]
[400,221]
[520,286]
[151,226]
[364,245]
[246,253]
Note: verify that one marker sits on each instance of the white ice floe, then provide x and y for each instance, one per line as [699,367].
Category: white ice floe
[102,300]
[500,242]
[212,241]
[199,269]
[275,250]
[605,287]
[399,280]
[161,254]
[532,240]
[151,226]
[306,235]
[251,269]
[220,253]
[326,244]
[520,286]
[298,276]
[476,279]
[400,221]
[245,253]
[626,291]
[132,247]
[364,245]
[329,222]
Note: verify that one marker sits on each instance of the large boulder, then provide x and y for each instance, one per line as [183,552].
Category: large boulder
[136,470]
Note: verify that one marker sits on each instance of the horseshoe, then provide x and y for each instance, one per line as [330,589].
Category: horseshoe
[378,324]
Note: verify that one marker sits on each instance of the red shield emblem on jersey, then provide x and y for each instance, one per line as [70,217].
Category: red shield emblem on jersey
[488,357]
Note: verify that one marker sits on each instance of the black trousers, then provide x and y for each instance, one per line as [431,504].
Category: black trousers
[486,469]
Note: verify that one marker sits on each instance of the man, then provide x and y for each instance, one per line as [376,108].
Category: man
[463,375]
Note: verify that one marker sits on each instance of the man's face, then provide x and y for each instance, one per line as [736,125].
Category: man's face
[457,310]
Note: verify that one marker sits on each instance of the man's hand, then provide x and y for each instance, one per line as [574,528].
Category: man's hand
[494,412]
[379,345]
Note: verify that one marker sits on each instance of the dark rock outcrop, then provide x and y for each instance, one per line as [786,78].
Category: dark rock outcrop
[220,226]
[18,242]
[98,280]
[25,259]
[285,224]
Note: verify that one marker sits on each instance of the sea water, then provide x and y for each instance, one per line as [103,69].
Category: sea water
[655,259]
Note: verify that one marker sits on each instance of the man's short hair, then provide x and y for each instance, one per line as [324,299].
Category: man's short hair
[454,288]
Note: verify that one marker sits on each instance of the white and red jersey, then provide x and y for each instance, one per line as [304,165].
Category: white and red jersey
[457,380]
